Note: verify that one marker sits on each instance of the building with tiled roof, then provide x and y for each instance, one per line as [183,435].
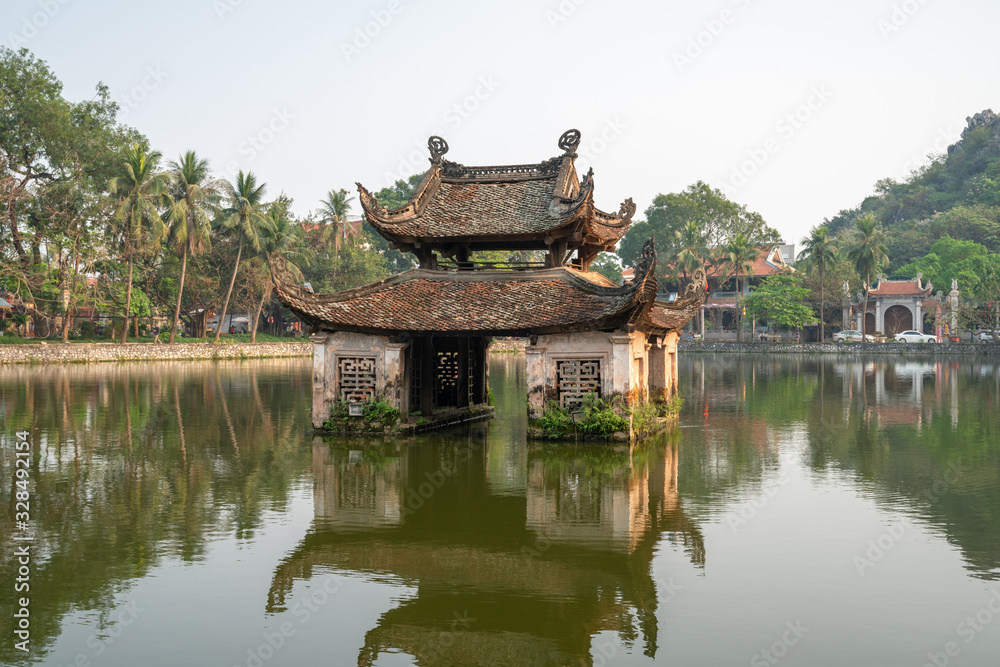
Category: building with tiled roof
[720,306]
[420,338]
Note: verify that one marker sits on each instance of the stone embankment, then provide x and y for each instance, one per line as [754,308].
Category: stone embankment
[905,349]
[62,353]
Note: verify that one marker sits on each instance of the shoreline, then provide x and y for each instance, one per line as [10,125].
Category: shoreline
[89,353]
[856,349]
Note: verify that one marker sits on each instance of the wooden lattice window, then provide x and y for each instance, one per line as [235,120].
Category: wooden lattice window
[356,379]
[446,375]
[576,378]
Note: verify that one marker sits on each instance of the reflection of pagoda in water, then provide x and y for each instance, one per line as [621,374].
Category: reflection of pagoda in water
[538,576]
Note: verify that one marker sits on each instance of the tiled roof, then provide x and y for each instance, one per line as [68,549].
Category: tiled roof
[900,288]
[475,209]
[768,263]
[494,204]
[487,302]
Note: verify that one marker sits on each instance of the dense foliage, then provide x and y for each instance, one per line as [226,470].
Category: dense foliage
[94,222]
[779,299]
[688,225]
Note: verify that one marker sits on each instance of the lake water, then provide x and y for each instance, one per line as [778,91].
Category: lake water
[806,511]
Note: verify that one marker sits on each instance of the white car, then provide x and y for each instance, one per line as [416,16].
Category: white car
[984,337]
[912,336]
[852,336]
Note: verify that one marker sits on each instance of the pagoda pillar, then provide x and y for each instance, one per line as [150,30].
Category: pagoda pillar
[396,389]
[321,404]
[534,367]
[621,364]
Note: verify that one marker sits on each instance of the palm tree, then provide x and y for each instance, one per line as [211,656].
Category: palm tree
[245,216]
[691,250]
[194,196]
[139,191]
[819,250]
[278,237]
[738,257]
[334,212]
[867,251]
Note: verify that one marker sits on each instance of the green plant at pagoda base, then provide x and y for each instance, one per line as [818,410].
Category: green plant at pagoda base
[377,415]
[601,418]
[647,416]
[556,422]
[379,410]
[604,417]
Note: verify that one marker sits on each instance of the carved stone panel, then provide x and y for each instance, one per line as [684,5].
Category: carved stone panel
[356,379]
[576,378]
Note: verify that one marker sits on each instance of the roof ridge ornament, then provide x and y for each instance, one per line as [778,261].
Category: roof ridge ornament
[438,147]
[569,141]
[627,210]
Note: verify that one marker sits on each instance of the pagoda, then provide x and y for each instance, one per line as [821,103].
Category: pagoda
[420,340]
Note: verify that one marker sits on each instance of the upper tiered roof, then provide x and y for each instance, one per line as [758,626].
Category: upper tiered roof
[522,206]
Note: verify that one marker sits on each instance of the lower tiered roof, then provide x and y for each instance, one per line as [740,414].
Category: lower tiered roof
[493,303]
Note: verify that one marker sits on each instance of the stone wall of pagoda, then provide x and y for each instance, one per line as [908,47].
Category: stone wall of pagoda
[355,368]
[565,367]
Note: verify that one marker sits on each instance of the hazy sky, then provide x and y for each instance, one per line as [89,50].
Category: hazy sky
[792,108]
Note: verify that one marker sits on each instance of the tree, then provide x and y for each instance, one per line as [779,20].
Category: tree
[278,237]
[334,213]
[245,218]
[738,257]
[607,265]
[56,159]
[717,218]
[394,196]
[139,226]
[867,250]
[819,251]
[779,298]
[34,132]
[194,196]
[690,251]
